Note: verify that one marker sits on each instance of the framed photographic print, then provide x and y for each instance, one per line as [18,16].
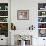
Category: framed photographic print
[23,15]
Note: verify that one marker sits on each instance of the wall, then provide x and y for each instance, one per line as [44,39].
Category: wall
[32,6]
[24,5]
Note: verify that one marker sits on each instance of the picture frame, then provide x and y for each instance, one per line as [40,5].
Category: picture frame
[22,14]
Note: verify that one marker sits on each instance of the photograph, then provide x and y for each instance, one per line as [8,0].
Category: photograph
[23,15]
[22,22]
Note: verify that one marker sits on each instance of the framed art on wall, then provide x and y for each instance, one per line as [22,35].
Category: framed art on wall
[23,15]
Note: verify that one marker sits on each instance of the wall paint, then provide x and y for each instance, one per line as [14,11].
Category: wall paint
[32,6]
[24,5]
